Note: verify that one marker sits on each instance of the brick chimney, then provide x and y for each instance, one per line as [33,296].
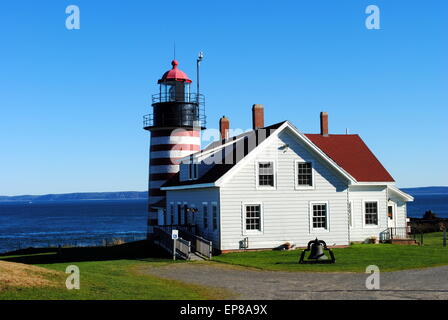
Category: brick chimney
[224,125]
[324,124]
[257,116]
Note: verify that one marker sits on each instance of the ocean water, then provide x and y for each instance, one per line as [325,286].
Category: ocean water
[41,224]
[438,203]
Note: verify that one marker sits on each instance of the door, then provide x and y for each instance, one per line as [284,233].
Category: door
[391,215]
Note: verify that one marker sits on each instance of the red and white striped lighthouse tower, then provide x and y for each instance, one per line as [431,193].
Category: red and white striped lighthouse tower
[175,125]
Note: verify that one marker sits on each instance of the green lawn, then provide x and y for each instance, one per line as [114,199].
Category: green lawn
[352,259]
[116,279]
[115,273]
[107,279]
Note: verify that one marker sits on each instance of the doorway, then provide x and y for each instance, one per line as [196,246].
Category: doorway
[391,213]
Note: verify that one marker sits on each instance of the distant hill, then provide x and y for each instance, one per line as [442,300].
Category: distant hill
[426,190]
[128,195]
[125,195]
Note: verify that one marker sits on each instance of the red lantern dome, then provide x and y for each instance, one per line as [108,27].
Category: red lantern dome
[174,74]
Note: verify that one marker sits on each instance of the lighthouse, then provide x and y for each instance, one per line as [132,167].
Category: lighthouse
[175,124]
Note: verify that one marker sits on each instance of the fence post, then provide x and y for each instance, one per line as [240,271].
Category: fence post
[444,237]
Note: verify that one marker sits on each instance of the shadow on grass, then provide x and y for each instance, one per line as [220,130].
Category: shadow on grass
[138,250]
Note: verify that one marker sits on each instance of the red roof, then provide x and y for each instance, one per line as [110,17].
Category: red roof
[352,154]
[175,74]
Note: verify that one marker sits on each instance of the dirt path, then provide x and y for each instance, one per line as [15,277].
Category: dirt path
[253,284]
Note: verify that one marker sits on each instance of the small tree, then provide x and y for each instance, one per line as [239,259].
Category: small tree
[429,215]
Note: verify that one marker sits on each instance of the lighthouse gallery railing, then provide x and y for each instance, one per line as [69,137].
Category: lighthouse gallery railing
[198,119]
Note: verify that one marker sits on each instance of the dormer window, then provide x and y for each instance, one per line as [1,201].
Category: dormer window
[193,171]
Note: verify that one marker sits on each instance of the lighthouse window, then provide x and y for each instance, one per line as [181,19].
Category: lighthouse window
[265,174]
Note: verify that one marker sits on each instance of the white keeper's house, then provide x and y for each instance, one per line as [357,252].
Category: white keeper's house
[275,184]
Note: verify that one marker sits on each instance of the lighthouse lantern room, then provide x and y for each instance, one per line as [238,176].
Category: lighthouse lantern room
[175,124]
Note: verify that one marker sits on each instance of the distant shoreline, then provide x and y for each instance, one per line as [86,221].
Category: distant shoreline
[86,196]
[69,200]
[141,195]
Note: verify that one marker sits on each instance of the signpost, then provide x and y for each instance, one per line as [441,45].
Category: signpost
[174,236]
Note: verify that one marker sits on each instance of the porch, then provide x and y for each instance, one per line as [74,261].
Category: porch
[400,235]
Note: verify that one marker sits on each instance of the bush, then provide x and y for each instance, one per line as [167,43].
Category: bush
[427,226]
[429,215]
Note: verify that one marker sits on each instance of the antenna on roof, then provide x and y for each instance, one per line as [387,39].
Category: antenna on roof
[198,63]
[346,130]
[174,50]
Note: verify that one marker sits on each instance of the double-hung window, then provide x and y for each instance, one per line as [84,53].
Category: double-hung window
[205,215]
[319,216]
[371,213]
[179,214]
[304,174]
[252,218]
[266,174]
[215,216]
[193,171]
[185,210]
[171,213]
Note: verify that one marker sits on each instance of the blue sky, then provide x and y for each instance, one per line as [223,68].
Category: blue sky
[72,102]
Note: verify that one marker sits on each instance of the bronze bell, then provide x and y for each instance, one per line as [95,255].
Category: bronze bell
[317,251]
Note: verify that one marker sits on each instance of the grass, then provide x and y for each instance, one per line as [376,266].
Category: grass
[102,278]
[355,258]
[112,273]
[13,275]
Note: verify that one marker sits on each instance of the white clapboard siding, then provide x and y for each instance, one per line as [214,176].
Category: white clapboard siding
[358,195]
[400,214]
[286,215]
[195,198]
